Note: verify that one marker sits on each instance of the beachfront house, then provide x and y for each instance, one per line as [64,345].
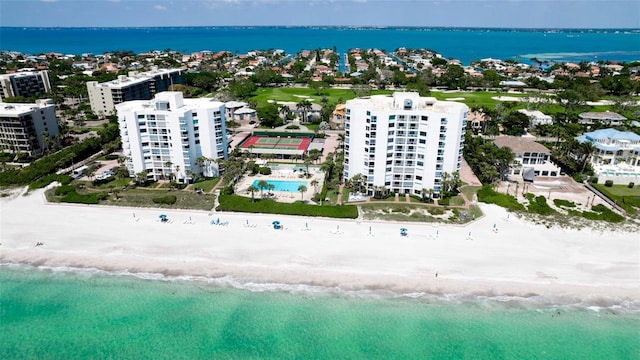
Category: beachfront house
[403,142]
[616,155]
[167,135]
[531,158]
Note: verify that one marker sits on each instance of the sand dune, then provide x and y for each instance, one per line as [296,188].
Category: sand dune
[517,258]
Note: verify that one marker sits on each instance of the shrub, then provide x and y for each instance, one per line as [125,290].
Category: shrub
[608,183]
[444,201]
[64,190]
[487,195]
[46,180]
[578,177]
[265,170]
[593,180]
[168,200]
[539,206]
[564,203]
[74,197]
[293,127]
[227,190]
[631,185]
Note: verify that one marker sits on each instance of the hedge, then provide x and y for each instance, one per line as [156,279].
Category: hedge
[238,203]
[168,200]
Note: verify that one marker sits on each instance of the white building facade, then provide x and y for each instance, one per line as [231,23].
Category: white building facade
[403,142]
[537,117]
[170,136]
[27,128]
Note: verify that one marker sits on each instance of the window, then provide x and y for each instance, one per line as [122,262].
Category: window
[422,141]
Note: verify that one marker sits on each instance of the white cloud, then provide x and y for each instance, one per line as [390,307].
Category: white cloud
[160,7]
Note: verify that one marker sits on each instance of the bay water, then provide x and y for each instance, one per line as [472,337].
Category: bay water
[465,44]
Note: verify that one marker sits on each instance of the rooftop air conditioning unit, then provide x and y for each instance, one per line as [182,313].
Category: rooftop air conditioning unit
[408,104]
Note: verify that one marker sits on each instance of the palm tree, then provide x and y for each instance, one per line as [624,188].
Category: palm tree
[307,162]
[177,167]
[315,183]
[167,165]
[587,149]
[252,189]
[302,190]
[270,187]
[424,193]
[284,110]
[304,105]
[200,162]
[262,184]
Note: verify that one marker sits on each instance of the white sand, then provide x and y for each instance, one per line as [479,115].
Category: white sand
[520,258]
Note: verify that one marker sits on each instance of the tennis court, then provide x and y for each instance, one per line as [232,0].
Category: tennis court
[278,142]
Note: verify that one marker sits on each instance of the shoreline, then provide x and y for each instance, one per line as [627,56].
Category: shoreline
[518,259]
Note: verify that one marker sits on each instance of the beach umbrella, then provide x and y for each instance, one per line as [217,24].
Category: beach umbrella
[306,225]
[403,229]
[162,216]
[247,221]
[369,229]
[276,222]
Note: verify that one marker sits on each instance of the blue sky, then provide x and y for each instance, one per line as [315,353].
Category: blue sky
[458,13]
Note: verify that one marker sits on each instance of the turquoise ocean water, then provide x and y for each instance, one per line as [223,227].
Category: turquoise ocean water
[54,314]
[465,44]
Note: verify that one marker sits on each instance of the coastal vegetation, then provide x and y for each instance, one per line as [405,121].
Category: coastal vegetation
[237,203]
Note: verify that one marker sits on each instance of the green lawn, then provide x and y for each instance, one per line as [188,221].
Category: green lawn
[619,190]
[296,95]
[206,185]
[476,98]
[628,199]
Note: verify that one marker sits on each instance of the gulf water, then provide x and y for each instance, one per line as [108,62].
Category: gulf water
[83,314]
[465,44]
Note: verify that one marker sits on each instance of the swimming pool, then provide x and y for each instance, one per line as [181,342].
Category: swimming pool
[282,185]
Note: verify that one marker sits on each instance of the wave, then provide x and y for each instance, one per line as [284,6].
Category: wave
[487,300]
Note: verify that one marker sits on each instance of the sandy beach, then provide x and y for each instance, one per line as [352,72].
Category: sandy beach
[497,254]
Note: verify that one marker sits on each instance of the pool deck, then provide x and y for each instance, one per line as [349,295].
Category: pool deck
[281,175]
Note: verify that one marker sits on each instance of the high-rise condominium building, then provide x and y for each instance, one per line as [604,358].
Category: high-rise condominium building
[26,84]
[27,128]
[169,136]
[137,86]
[403,142]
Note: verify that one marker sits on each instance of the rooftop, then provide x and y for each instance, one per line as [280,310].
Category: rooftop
[519,144]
